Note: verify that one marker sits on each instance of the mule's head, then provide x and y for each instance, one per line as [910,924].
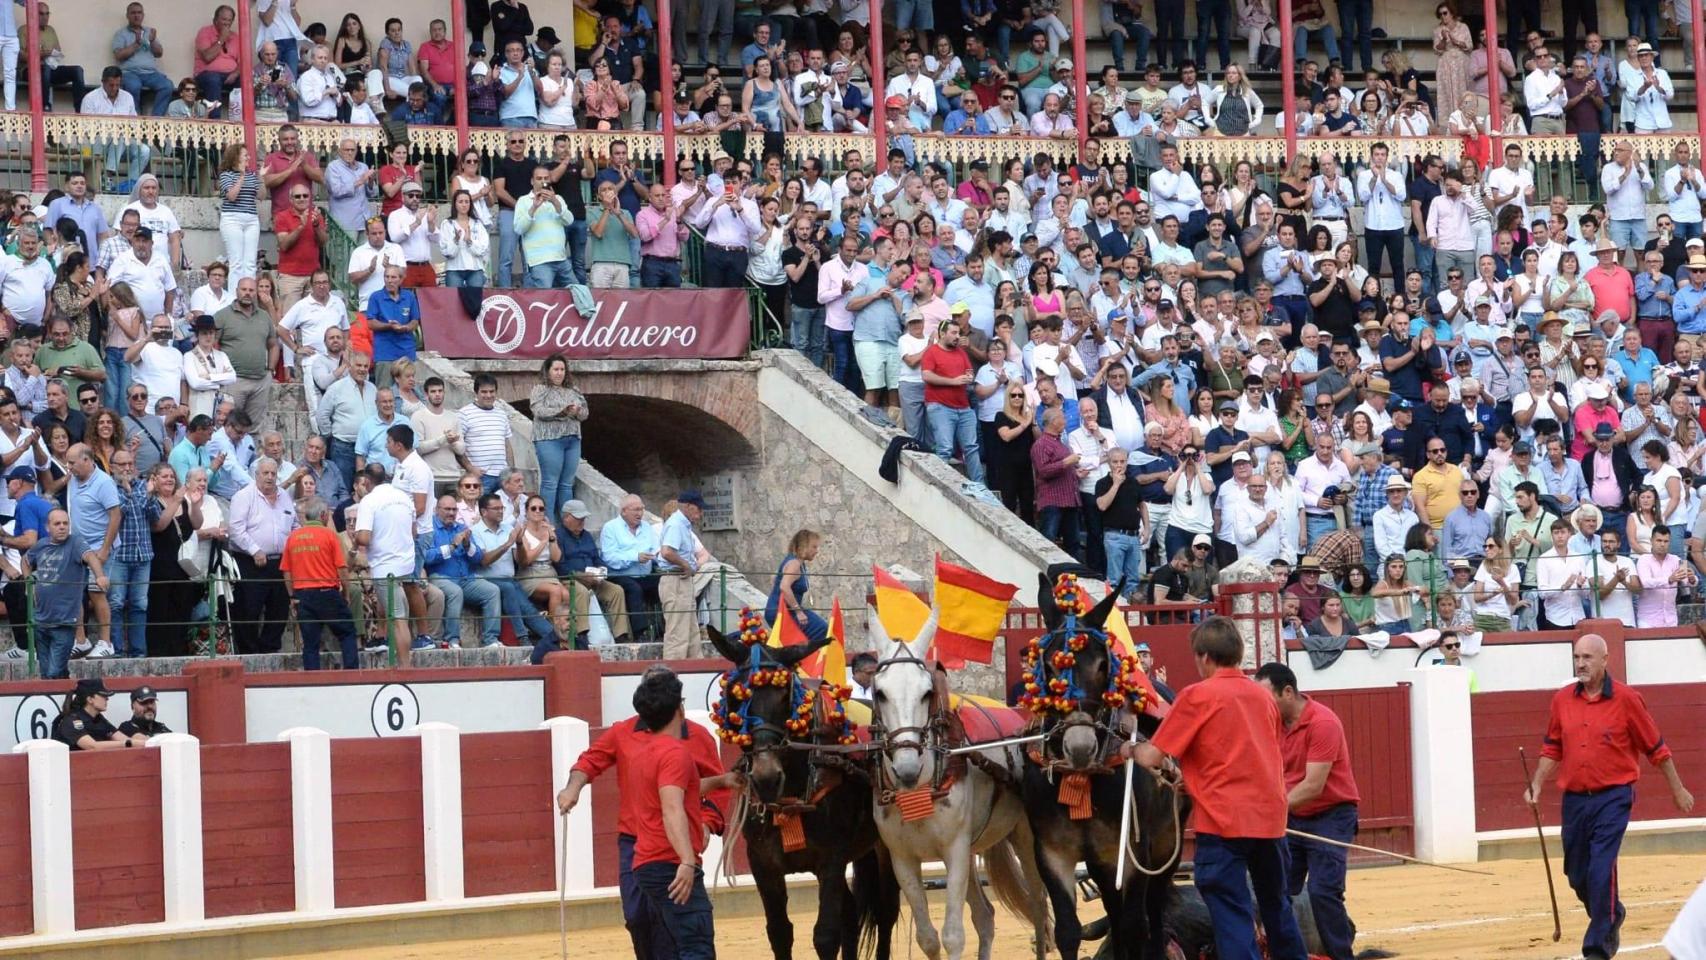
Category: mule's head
[1086,669]
[903,696]
[765,689]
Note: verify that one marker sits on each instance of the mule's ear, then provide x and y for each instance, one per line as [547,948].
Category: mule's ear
[877,635]
[1098,615]
[730,649]
[926,634]
[1045,602]
[790,656]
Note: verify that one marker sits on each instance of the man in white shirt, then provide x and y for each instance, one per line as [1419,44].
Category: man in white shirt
[1382,192]
[1626,181]
[1512,183]
[412,226]
[1560,581]
[1612,576]
[1392,522]
[384,530]
[1684,185]
[25,281]
[811,88]
[158,217]
[1191,95]
[304,326]
[148,274]
[156,364]
[110,99]
[367,262]
[816,189]
[1172,191]
[1315,476]
[918,90]
[1647,92]
[1257,526]
[1543,90]
[1091,442]
[1132,121]
[1257,419]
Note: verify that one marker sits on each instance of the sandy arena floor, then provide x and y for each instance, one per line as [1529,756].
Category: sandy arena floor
[1414,912]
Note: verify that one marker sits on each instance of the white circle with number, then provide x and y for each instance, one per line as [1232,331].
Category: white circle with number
[34,720]
[395,710]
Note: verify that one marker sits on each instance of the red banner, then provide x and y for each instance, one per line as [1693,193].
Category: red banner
[708,324]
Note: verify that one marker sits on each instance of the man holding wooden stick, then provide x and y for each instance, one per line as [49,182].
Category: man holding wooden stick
[1595,736]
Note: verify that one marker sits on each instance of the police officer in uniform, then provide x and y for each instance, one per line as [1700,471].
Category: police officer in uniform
[144,703]
[82,726]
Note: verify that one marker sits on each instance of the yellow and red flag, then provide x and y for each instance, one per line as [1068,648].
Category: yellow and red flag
[785,632]
[830,663]
[972,610]
[899,610]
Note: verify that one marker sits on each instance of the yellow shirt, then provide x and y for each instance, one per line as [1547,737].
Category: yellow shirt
[1437,488]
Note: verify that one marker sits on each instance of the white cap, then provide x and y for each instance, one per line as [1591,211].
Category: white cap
[1242,455]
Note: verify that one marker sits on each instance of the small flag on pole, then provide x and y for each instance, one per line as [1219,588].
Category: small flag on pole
[830,663]
[901,612]
[973,610]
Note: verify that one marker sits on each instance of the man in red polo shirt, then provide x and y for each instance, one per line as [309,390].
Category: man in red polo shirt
[1225,734]
[1322,797]
[301,231]
[623,746]
[1597,732]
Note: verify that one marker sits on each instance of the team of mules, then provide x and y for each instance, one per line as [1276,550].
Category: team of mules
[914,788]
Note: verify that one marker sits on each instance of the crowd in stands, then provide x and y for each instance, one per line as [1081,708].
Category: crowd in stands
[1419,387]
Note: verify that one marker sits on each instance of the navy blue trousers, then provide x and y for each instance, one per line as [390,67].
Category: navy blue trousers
[1321,867]
[1593,833]
[687,925]
[1222,866]
[321,609]
[645,927]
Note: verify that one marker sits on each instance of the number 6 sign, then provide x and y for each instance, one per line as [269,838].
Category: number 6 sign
[395,710]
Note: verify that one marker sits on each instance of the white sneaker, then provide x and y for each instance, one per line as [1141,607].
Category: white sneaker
[494,643]
[81,650]
[377,647]
[15,654]
[102,649]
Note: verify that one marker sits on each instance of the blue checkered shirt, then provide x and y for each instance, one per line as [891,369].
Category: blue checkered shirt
[1371,495]
[138,509]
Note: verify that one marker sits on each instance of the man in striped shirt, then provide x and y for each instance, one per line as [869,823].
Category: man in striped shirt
[486,432]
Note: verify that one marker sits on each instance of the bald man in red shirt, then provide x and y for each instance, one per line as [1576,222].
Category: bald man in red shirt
[1321,795]
[626,746]
[1595,736]
[1225,734]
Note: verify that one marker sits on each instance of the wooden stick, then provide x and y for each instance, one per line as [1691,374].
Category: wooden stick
[1125,817]
[992,744]
[1545,858]
[1386,853]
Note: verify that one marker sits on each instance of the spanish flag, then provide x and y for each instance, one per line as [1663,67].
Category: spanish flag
[785,632]
[900,611]
[973,609]
[830,662]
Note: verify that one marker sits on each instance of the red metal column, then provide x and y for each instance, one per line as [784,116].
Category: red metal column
[1080,84]
[459,56]
[246,76]
[874,50]
[1288,80]
[38,135]
[1495,123]
[666,84]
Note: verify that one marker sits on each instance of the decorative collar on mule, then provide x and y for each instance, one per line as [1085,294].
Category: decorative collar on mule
[1050,677]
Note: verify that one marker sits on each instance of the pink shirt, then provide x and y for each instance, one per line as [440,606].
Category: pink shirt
[656,237]
[223,62]
[1613,289]
[831,279]
[1655,605]
[1448,224]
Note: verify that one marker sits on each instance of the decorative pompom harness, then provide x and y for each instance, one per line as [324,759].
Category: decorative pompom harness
[1055,690]
[732,712]
[1052,692]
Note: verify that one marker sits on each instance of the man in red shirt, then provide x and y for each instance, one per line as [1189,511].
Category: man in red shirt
[1322,799]
[623,746]
[301,231]
[1225,734]
[947,405]
[1595,736]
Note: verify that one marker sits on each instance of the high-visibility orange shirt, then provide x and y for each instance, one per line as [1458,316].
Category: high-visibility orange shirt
[313,555]
[1225,732]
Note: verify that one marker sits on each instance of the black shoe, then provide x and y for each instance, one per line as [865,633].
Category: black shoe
[1614,939]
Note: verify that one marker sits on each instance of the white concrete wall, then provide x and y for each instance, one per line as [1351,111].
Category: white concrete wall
[1516,666]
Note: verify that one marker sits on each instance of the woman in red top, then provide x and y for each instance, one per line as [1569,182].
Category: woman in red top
[393,175]
[1225,734]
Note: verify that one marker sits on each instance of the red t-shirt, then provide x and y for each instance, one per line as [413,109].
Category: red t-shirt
[662,760]
[389,174]
[277,162]
[1319,737]
[1225,732]
[303,258]
[945,363]
[1596,741]
[620,745]
[313,555]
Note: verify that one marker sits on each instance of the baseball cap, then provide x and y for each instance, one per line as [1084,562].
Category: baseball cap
[1226,405]
[691,497]
[959,307]
[1202,540]
[24,473]
[143,694]
[577,509]
[1242,456]
[1522,448]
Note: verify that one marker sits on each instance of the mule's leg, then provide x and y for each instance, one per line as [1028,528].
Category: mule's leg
[888,902]
[1025,847]
[961,872]
[1125,925]
[906,873]
[1057,874]
[832,900]
[982,916]
[773,892]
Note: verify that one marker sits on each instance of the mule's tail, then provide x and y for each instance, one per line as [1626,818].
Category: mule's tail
[876,899]
[1007,877]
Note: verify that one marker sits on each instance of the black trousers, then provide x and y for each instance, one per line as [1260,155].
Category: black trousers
[644,607]
[17,613]
[1584,12]
[723,268]
[1389,243]
[262,606]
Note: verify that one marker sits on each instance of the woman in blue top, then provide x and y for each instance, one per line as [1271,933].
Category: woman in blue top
[791,584]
